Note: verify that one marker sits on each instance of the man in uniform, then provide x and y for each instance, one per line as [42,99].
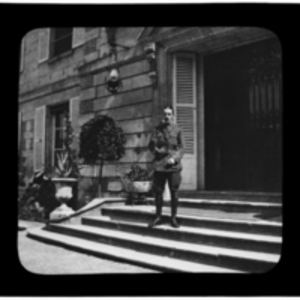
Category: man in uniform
[167,145]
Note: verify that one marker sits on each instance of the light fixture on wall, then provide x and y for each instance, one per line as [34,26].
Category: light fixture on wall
[113,82]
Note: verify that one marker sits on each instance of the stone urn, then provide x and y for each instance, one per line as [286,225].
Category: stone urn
[141,186]
[64,193]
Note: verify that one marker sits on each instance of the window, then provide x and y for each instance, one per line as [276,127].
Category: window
[59,115]
[61,40]
[55,42]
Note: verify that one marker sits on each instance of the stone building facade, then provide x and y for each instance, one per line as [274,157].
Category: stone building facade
[224,83]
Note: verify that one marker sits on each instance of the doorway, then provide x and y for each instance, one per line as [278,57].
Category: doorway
[243,101]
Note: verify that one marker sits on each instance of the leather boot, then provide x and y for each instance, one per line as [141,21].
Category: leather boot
[174,203]
[158,218]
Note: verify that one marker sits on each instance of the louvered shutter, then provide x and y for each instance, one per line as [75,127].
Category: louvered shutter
[39,138]
[78,36]
[74,115]
[185,98]
[44,44]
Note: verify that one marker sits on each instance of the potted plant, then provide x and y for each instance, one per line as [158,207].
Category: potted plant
[64,183]
[100,141]
[137,183]
[66,173]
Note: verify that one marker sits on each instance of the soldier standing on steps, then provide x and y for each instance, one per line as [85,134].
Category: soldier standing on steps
[167,145]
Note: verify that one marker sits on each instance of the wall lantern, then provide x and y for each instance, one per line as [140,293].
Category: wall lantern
[113,82]
[150,52]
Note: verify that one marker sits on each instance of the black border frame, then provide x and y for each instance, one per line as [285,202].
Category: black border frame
[279,18]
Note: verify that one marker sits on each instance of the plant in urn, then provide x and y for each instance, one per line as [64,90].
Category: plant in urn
[66,175]
[63,184]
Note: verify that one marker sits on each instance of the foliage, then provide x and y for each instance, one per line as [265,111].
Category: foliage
[67,163]
[137,173]
[101,140]
[38,200]
[27,209]
[64,167]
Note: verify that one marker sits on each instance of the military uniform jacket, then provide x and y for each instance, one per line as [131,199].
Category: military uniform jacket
[167,141]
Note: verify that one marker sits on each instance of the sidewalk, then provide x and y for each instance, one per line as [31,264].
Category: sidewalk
[40,258]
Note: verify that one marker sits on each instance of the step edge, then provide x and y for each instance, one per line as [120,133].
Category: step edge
[200,231]
[235,193]
[222,202]
[179,246]
[195,218]
[164,263]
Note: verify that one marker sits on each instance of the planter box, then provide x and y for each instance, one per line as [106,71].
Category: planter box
[141,186]
[137,186]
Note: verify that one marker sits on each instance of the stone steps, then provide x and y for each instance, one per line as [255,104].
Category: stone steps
[212,237]
[156,262]
[241,260]
[216,235]
[233,196]
[226,205]
[144,214]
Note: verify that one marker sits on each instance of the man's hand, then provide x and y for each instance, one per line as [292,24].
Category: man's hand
[161,150]
[171,161]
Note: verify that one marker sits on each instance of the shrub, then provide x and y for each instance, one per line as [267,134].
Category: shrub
[38,200]
[101,140]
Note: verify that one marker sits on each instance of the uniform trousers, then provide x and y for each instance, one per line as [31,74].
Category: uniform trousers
[159,181]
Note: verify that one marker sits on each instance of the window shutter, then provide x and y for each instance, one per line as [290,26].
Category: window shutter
[74,115]
[44,44]
[39,138]
[185,98]
[78,36]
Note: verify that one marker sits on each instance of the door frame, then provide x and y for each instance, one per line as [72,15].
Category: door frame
[163,93]
[244,186]
[200,111]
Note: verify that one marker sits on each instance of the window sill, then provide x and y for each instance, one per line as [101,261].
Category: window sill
[60,56]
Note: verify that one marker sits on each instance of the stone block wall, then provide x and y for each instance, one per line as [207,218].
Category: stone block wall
[82,74]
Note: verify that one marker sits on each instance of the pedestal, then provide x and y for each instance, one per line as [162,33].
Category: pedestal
[61,212]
